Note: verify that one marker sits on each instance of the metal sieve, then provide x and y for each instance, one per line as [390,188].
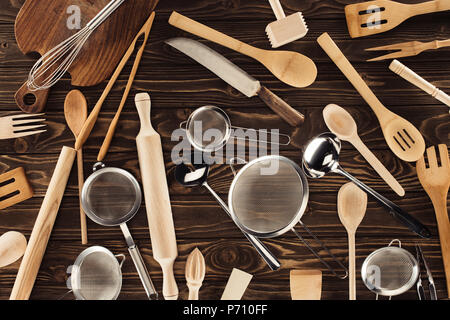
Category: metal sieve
[209,128]
[96,275]
[390,271]
[111,197]
[268,197]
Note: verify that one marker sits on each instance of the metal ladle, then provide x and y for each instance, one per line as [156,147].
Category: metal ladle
[321,156]
[188,178]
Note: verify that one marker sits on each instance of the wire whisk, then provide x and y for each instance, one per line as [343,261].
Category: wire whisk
[52,66]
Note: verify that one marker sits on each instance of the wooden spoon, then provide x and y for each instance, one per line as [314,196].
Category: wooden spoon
[195,273]
[12,247]
[290,67]
[75,111]
[352,205]
[342,124]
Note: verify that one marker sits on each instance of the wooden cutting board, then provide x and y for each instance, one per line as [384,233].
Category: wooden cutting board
[41,25]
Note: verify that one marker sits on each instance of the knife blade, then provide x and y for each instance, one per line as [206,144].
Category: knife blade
[235,77]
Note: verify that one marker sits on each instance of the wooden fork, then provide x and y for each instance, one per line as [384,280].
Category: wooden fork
[408,49]
[13,126]
[435,179]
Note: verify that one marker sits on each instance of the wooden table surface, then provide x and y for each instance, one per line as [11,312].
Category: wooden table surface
[178,86]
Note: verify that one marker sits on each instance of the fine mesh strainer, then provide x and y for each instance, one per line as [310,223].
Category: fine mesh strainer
[390,271]
[96,275]
[268,197]
[111,197]
[209,128]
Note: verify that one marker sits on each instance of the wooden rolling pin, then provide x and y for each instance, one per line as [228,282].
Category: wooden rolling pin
[412,77]
[43,226]
[157,200]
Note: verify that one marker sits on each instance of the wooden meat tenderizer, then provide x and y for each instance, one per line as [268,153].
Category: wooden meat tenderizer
[413,78]
[157,200]
[285,29]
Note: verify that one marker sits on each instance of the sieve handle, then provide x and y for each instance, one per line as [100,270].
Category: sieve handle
[143,272]
[268,256]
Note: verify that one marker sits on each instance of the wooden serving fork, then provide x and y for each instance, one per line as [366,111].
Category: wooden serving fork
[408,49]
[435,179]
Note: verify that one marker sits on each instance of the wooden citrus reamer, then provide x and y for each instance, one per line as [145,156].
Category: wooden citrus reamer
[156,193]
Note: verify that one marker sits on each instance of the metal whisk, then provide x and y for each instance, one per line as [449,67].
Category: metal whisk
[51,67]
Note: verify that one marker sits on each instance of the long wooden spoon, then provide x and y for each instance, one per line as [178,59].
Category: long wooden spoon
[342,124]
[12,247]
[352,205]
[75,111]
[290,67]
[195,273]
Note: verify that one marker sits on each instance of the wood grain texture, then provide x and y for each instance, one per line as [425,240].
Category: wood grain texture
[178,86]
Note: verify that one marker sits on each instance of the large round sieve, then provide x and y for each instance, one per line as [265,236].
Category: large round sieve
[96,275]
[111,197]
[268,197]
[390,271]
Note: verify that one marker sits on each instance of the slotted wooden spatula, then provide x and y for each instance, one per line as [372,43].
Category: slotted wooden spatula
[405,141]
[372,17]
[14,188]
[435,179]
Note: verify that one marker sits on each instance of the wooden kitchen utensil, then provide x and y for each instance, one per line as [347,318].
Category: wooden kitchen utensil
[13,126]
[285,29]
[405,141]
[12,247]
[195,273]
[236,285]
[95,63]
[435,179]
[352,206]
[378,16]
[412,77]
[75,111]
[92,119]
[408,49]
[43,226]
[342,124]
[290,67]
[157,199]
[14,188]
[306,284]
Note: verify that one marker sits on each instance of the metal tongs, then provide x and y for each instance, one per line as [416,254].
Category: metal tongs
[431,286]
[408,49]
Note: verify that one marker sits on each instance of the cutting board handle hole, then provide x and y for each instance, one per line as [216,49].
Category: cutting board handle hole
[8,196]
[4,183]
[29,99]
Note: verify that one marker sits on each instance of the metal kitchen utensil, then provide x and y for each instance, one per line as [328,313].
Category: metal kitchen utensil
[236,77]
[13,126]
[96,275]
[52,66]
[390,271]
[421,292]
[321,157]
[268,197]
[111,197]
[209,128]
[188,178]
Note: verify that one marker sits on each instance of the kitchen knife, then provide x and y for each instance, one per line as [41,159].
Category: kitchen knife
[236,77]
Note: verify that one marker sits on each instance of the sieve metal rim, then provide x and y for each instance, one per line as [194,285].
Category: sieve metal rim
[224,140]
[87,208]
[396,292]
[297,217]
[75,271]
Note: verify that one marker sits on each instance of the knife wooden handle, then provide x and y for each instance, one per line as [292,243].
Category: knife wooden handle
[280,107]
[43,226]
[157,199]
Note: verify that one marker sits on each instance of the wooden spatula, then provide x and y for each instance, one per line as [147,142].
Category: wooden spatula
[14,188]
[378,16]
[306,284]
[435,179]
[405,141]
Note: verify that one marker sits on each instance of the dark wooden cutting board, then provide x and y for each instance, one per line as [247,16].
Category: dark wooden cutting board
[41,25]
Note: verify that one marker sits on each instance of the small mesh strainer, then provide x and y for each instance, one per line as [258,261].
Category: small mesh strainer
[390,271]
[96,275]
